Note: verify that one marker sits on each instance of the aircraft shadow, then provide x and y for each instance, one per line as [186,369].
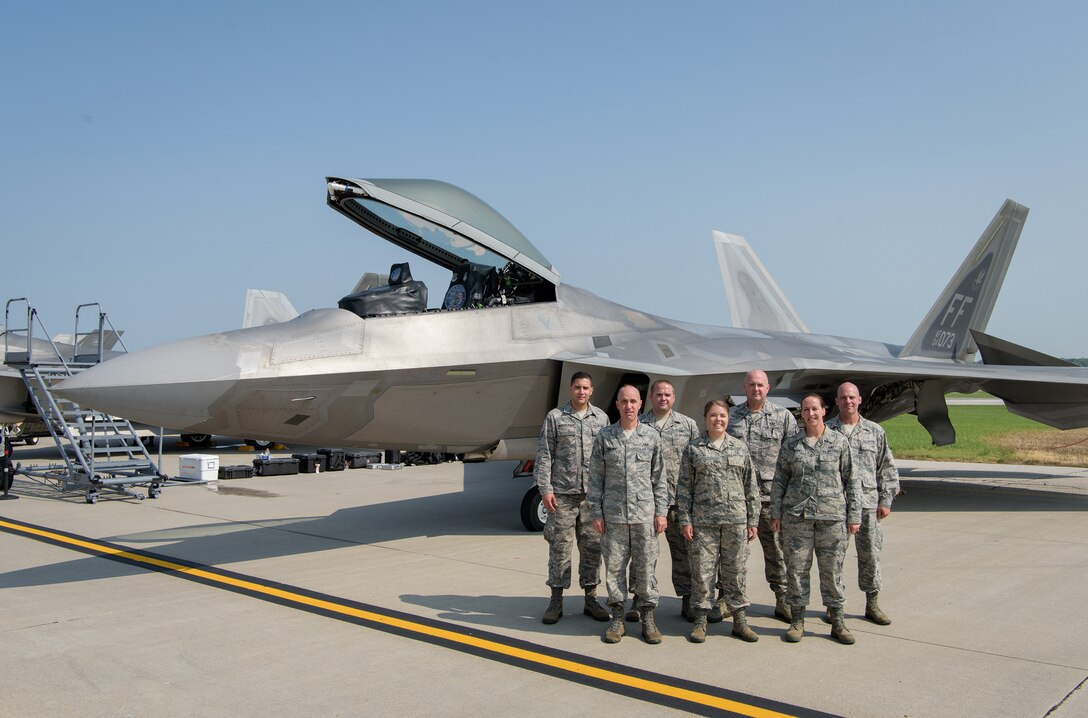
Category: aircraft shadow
[944,496]
[488,506]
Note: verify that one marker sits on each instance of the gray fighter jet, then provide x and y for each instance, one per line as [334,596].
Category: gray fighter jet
[477,374]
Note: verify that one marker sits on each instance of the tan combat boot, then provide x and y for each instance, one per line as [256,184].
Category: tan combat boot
[615,629]
[873,612]
[796,631]
[649,628]
[555,607]
[593,608]
[781,609]
[740,627]
[698,631]
[839,631]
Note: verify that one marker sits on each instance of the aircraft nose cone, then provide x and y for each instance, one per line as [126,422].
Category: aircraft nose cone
[172,385]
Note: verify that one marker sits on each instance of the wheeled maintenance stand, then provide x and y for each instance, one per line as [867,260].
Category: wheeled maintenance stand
[100,452]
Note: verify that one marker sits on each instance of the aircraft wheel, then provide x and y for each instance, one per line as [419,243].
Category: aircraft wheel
[197,439]
[30,440]
[92,497]
[259,443]
[533,513]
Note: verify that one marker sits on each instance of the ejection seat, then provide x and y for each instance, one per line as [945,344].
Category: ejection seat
[472,286]
[402,295]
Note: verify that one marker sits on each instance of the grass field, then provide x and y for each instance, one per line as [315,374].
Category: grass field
[990,434]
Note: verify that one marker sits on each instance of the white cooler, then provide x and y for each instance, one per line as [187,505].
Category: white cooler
[204,467]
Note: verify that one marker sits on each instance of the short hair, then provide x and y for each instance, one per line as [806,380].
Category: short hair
[715,402]
[653,387]
[624,386]
[823,402]
[581,375]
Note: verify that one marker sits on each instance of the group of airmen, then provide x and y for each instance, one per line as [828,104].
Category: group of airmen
[751,471]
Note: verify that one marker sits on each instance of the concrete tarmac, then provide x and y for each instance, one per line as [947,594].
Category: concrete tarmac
[985,572]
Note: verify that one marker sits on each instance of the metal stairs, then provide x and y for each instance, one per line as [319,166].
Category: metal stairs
[99,451]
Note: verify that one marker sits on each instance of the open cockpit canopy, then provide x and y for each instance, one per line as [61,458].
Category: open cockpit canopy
[453,229]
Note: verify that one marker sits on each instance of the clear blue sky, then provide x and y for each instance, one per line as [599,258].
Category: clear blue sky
[160,158]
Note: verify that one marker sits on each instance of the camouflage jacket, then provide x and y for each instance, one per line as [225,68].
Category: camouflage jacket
[717,486]
[764,432]
[626,481]
[873,463]
[675,431]
[562,454]
[816,482]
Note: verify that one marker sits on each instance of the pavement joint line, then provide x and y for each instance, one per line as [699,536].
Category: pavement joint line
[613,677]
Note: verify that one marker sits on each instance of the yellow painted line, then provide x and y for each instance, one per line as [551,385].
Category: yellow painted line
[562,664]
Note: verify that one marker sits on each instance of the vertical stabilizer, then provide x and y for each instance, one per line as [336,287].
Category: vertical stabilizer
[266,307]
[755,299]
[968,301]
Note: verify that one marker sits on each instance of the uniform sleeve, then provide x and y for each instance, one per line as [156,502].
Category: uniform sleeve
[778,486]
[852,485]
[790,426]
[659,482]
[685,487]
[595,494]
[887,475]
[542,469]
[751,490]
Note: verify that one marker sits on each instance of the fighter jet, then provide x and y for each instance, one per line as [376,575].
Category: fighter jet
[477,374]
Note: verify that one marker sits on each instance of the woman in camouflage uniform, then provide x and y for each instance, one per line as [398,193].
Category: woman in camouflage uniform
[717,501]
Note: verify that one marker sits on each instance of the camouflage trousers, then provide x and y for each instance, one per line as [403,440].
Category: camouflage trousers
[567,525]
[868,541]
[681,561]
[719,555]
[635,544]
[774,560]
[829,539]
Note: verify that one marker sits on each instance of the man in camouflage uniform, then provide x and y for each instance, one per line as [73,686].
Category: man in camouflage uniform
[562,475]
[628,499]
[718,504]
[763,427]
[675,430]
[875,469]
[816,503]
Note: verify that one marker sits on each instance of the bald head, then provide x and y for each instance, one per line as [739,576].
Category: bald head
[848,399]
[756,386]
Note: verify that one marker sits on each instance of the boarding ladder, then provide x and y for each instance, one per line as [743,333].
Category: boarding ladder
[99,451]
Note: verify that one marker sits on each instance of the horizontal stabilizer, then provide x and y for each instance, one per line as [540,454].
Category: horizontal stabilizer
[1003,353]
[967,302]
[755,299]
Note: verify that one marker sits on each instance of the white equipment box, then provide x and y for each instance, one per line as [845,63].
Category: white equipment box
[204,467]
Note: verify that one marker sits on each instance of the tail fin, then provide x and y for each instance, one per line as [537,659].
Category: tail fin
[755,299]
[968,301]
[266,307]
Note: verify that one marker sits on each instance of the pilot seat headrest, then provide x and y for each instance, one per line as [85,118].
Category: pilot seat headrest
[399,274]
